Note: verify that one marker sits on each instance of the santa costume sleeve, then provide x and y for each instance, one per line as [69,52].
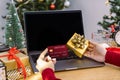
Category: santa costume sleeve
[113,56]
[48,74]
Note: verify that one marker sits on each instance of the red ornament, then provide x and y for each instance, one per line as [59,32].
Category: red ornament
[112,28]
[52,6]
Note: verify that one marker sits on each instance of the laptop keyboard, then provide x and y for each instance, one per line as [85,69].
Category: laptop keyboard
[70,56]
[70,62]
[35,57]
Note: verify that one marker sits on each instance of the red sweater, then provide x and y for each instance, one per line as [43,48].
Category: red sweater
[112,56]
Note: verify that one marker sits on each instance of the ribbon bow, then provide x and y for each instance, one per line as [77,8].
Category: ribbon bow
[11,55]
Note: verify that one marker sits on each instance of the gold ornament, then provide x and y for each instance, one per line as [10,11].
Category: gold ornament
[10,38]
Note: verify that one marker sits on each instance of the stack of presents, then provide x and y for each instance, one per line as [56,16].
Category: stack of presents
[14,65]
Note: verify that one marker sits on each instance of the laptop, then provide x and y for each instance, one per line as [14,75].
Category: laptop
[55,27]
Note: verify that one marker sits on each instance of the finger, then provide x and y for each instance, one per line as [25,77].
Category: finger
[91,45]
[89,54]
[48,58]
[89,49]
[54,60]
[42,55]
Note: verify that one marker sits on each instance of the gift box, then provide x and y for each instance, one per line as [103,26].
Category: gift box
[12,71]
[2,71]
[17,75]
[78,44]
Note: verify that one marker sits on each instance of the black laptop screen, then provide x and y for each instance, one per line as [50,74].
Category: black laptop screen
[46,28]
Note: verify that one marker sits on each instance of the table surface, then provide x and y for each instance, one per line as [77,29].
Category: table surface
[107,72]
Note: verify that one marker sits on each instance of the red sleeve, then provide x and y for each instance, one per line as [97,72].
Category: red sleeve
[48,74]
[113,56]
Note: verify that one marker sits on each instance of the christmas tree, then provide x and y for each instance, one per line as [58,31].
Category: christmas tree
[37,5]
[13,31]
[111,22]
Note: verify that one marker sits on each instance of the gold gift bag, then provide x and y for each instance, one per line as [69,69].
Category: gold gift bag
[78,44]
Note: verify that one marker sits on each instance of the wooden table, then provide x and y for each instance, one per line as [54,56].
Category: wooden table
[108,72]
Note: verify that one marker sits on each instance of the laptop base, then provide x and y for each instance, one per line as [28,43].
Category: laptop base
[67,64]
[77,64]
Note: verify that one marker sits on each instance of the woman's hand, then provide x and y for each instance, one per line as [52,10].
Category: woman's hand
[45,62]
[96,51]
[42,63]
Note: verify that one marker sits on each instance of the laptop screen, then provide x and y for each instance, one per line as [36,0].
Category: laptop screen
[46,28]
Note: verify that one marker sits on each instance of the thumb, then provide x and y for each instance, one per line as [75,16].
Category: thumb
[54,60]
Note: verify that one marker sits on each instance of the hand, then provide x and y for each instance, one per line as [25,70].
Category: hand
[96,51]
[45,62]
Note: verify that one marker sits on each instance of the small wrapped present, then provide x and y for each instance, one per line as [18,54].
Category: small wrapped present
[17,64]
[78,44]
[2,71]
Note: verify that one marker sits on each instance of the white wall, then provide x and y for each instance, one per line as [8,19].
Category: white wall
[93,11]
[3,12]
